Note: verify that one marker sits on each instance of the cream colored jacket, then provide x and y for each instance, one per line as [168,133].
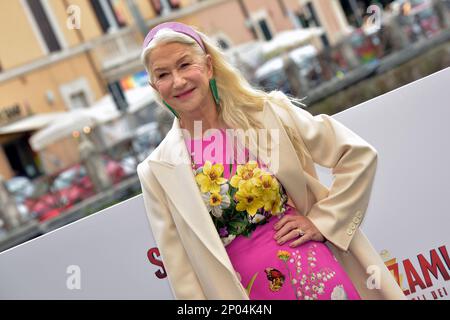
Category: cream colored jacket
[194,257]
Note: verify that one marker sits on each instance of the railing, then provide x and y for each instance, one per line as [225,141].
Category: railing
[118,48]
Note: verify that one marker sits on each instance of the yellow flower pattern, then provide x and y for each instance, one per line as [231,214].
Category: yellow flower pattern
[215,199]
[238,204]
[249,198]
[283,255]
[211,178]
[249,171]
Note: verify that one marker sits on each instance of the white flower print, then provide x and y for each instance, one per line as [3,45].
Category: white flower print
[227,240]
[217,211]
[339,293]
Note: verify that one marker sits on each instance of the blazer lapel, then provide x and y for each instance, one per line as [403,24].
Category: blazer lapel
[175,175]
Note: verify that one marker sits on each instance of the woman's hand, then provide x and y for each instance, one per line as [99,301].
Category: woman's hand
[296,227]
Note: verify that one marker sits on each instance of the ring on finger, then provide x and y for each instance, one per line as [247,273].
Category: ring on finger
[300,232]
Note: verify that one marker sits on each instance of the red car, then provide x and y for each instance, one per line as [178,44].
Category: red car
[71,186]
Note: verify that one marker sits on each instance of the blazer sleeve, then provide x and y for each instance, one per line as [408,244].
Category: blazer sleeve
[353,162]
[182,277]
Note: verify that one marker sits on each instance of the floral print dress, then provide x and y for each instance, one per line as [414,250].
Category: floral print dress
[245,201]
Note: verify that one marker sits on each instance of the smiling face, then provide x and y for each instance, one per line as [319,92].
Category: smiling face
[181,76]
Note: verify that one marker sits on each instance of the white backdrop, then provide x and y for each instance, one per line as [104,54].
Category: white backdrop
[112,254]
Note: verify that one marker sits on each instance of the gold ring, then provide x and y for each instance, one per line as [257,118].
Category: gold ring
[300,232]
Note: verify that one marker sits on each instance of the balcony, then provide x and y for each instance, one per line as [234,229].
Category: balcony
[118,53]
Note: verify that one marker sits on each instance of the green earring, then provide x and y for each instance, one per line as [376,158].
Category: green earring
[215,92]
[171,109]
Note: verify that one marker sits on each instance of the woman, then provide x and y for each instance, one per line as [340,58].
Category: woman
[192,194]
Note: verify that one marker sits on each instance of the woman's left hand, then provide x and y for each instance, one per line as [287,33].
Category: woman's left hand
[296,227]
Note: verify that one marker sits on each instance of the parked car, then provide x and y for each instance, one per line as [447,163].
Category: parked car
[43,203]
[68,187]
[129,164]
[20,188]
[114,169]
[73,185]
[146,138]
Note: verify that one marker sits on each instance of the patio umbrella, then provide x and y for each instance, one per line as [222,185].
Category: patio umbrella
[288,40]
[72,121]
[103,111]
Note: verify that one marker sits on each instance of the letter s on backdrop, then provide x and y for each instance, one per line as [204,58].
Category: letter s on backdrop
[152,255]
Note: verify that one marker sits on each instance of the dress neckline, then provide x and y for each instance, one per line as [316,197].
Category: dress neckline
[208,138]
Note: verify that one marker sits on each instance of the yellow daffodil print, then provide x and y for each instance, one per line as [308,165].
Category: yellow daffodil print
[249,199]
[210,178]
[245,172]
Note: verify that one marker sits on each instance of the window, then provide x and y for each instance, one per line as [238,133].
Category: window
[44,25]
[78,100]
[263,25]
[174,4]
[101,17]
[160,5]
[325,41]
[222,40]
[109,14]
[77,94]
[222,44]
[265,29]
[311,16]
[301,18]
[117,9]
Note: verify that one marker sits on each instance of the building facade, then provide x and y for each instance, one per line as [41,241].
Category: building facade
[60,55]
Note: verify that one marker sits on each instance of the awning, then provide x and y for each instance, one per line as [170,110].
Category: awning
[103,111]
[73,120]
[31,123]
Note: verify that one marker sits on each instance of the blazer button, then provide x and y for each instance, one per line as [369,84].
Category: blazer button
[353,226]
[359,214]
[356,220]
[349,232]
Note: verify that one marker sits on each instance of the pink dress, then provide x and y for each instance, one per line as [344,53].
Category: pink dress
[266,269]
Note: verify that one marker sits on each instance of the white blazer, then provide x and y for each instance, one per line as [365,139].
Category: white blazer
[194,257]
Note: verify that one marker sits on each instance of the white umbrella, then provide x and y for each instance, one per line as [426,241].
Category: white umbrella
[73,120]
[290,39]
[34,122]
[103,111]
[276,64]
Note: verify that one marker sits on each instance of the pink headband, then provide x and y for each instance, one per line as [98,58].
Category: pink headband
[177,27]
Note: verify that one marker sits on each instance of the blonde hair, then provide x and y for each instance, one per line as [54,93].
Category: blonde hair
[238,99]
